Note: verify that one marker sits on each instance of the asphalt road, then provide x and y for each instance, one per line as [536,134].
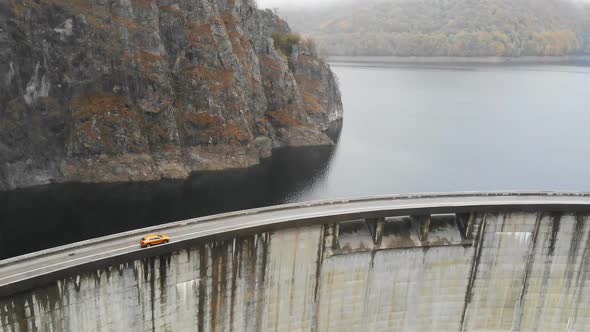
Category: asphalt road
[27,267]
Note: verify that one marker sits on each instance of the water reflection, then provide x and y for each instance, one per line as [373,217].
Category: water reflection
[48,216]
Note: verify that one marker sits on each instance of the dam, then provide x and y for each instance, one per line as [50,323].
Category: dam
[428,262]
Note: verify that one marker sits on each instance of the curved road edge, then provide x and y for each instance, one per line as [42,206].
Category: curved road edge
[40,268]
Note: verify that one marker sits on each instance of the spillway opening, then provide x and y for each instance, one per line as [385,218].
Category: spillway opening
[403,232]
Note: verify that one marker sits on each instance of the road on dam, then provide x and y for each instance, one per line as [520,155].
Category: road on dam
[25,268]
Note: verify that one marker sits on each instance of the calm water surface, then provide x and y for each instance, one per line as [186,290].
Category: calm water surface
[406,129]
[455,128]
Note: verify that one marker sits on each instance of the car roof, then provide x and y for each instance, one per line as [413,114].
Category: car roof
[151,235]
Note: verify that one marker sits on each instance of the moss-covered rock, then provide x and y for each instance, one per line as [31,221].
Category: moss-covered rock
[136,90]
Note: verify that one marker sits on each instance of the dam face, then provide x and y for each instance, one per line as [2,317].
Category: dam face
[522,271]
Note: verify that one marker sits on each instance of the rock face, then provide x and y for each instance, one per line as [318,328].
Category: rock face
[133,90]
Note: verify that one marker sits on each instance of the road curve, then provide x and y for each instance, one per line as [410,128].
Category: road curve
[41,265]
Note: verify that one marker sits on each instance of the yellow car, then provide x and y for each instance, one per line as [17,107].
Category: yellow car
[153,239]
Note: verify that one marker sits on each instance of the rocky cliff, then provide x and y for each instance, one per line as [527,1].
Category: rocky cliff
[133,90]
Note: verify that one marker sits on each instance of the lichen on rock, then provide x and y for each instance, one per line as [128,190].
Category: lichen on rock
[143,89]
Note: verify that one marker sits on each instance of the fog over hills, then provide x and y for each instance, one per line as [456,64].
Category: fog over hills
[442,27]
[284,4]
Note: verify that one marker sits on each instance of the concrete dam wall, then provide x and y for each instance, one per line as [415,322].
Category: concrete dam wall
[521,271]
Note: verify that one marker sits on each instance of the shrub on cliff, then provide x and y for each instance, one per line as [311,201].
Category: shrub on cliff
[284,42]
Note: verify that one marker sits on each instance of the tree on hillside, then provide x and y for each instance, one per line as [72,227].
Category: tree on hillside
[447,27]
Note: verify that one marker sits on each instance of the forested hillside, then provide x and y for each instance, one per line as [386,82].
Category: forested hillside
[447,27]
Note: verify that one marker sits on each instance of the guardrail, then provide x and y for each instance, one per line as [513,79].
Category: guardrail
[183,223]
[404,204]
[212,218]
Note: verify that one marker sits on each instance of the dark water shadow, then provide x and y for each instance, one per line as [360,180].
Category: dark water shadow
[48,216]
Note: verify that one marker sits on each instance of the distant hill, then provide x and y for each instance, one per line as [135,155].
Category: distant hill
[446,27]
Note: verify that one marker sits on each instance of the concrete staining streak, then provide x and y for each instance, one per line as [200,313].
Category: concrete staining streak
[502,271]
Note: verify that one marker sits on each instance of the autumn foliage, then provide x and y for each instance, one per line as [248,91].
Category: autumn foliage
[448,28]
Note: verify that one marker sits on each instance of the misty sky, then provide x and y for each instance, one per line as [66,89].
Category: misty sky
[299,3]
[291,3]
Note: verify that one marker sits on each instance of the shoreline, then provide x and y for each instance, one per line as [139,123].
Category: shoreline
[242,164]
[163,165]
[527,60]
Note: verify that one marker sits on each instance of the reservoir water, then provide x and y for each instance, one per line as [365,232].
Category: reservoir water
[460,128]
[407,129]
